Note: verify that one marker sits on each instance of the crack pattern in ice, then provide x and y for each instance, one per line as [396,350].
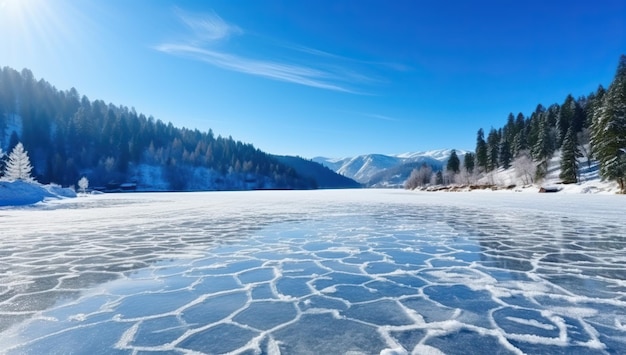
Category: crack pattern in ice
[358,277]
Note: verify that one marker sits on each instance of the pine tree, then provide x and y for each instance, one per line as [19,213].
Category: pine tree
[569,157]
[609,130]
[481,150]
[544,148]
[18,166]
[533,128]
[454,163]
[505,154]
[439,178]
[468,162]
[493,149]
[565,119]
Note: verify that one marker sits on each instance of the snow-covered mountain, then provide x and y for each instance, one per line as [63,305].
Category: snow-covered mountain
[386,170]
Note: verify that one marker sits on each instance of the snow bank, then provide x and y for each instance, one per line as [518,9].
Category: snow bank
[20,193]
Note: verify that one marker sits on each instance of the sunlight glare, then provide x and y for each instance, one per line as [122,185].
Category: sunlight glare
[30,26]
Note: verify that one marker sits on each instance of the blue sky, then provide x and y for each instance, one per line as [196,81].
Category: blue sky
[332,78]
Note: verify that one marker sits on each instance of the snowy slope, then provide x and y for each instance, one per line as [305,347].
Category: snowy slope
[589,178]
[364,168]
[438,154]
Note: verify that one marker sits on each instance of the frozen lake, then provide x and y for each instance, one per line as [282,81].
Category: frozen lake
[315,272]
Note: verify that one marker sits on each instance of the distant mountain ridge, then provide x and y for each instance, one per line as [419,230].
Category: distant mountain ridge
[380,170]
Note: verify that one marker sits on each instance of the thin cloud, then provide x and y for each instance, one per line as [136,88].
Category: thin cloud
[209,29]
[373,115]
[381,117]
[272,70]
[320,53]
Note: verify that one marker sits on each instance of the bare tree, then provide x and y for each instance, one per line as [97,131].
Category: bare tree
[419,177]
[525,167]
[83,184]
[466,177]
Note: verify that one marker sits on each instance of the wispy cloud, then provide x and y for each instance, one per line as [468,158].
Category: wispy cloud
[318,69]
[372,115]
[269,69]
[393,66]
[381,117]
[207,28]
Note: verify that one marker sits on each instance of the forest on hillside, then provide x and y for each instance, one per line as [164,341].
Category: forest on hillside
[68,136]
[591,127]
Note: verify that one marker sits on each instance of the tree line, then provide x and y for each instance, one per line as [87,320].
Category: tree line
[69,136]
[591,127]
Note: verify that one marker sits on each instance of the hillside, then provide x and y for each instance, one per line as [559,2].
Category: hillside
[68,136]
[323,177]
[573,132]
[588,175]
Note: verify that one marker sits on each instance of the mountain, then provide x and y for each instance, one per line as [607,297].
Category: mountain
[323,177]
[378,170]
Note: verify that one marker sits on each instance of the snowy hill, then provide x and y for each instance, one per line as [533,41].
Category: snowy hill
[588,174]
[386,170]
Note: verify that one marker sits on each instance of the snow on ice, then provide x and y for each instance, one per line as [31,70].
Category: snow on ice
[292,272]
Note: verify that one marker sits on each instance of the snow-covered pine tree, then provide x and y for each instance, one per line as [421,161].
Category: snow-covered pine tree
[569,157]
[543,148]
[18,166]
[609,130]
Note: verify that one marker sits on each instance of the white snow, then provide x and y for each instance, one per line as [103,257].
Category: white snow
[20,193]
[437,154]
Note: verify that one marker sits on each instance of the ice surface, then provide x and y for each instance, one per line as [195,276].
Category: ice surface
[347,272]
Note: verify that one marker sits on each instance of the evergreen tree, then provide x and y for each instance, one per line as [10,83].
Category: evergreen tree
[468,162]
[505,154]
[493,149]
[533,128]
[544,148]
[565,119]
[592,109]
[510,129]
[18,166]
[481,150]
[569,157]
[454,164]
[609,131]
[439,178]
